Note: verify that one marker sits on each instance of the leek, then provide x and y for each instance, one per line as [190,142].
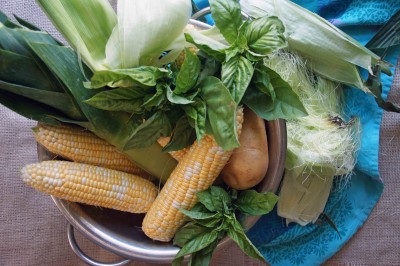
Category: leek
[320,146]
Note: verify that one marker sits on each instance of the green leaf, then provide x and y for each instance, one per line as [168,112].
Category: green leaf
[228,18]
[27,24]
[188,73]
[210,67]
[237,234]
[86,25]
[182,136]
[156,99]
[374,84]
[176,99]
[265,35]
[251,202]
[208,45]
[214,198]
[196,114]
[195,215]
[146,76]
[203,257]
[124,99]
[57,100]
[262,81]
[198,243]
[221,112]
[189,231]
[149,131]
[286,105]
[236,76]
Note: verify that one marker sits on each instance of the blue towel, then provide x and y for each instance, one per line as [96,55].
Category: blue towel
[348,207]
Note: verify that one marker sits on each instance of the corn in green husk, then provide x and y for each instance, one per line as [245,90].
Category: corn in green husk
[321,146]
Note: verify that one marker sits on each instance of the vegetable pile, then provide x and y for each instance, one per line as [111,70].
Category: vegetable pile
[153,110]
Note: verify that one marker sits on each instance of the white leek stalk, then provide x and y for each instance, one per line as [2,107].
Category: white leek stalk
[320,146]
[330,52]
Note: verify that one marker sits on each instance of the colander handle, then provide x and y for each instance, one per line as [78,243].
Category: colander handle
[85,258]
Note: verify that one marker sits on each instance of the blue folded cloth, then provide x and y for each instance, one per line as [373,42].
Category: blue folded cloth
[350,206]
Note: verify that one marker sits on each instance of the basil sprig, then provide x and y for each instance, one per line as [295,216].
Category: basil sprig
[215,217]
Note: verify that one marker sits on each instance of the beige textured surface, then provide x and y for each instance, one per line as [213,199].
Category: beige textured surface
[33,232]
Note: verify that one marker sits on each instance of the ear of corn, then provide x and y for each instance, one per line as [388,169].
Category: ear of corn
[91,185]
[177,155]
[197,170]
[82,146]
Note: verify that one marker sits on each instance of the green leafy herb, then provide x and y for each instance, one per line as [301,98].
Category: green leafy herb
[214,218]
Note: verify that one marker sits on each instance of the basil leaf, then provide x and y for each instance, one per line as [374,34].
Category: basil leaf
[198,243]
[196,112]
[156,99]
[189,231]
[208,45]
[221,112]
[265,35]
[287,104]
[214,198]
[209,68]
[148,132]
[123,99]
[227,17]
[188,74]
[145,76]
[203,257]
[251,202]
[182,136]
[237,234]
[236,76]
[262,81]
[176,99]
[198,215]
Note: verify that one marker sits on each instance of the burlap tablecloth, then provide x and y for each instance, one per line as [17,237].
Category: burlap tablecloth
[33,231]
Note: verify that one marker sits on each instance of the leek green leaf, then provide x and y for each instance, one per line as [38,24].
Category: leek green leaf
[221,112]
[182,136]
[143,76]
[251,202]
[265,35]
[124,99]
[148,132]
[228,18]
[144,31]
[7,22]
[236,75]
[57,100]
[27,24]
[188,73]
[237,234]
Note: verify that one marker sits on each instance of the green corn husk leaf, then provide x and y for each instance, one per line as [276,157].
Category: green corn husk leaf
[86,25]
[318,149]
[330,52]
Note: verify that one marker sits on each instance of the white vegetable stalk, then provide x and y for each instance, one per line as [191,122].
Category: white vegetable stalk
[330,52]
[320,147]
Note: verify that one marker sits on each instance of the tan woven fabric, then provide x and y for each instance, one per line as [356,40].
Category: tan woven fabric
[33,231]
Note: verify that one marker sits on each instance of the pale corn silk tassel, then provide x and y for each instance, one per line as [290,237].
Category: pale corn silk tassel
[320,147]
[196,171]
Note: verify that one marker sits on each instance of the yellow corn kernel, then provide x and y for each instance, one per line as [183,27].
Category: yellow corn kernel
[195,172]
[82,146]
[92,185]
[177,155]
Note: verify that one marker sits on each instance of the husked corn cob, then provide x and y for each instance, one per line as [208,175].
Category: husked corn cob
[177,155]
[91,185]
[80,145]
[195,172]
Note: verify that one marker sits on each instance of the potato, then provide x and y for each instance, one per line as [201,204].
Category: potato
[249,163]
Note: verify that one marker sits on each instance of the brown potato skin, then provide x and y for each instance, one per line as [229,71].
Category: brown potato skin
[248,164]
